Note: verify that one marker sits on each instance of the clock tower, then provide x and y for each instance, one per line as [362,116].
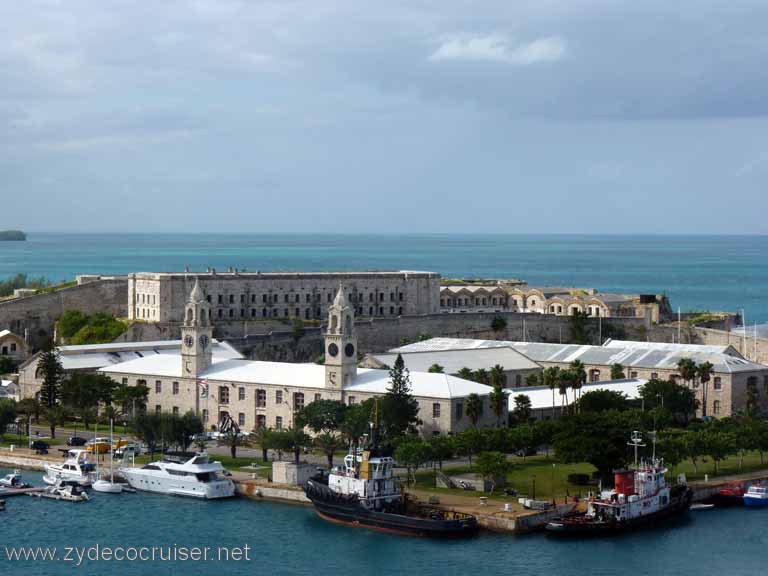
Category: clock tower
[340,344]
[196,334]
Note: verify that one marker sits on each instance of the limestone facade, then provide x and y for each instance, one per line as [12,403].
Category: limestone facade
[237,295]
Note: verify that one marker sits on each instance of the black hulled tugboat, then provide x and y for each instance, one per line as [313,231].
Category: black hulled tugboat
[366,493]
[641,497]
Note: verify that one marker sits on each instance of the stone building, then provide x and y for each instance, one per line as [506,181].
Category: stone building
[726,391]
[92,357]
[237,295]
[12,346]
[557,301]
[517,367]
[257,394]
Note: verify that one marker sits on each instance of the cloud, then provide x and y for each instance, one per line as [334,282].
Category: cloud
[499,48]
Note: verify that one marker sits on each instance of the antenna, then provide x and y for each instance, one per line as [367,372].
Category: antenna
[636,441]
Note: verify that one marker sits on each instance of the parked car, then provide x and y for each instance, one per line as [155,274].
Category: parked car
[76,441]
[40,447]
[98,445]
[127,450]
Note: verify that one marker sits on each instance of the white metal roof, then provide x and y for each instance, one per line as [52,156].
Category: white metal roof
[541,396]
[454,360]
[635,356]
[423,384]
[673,347]
[93,356]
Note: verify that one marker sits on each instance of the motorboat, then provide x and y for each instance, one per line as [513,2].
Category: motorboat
[757,495]
[68,490]
[182,474]
[13,480]
[77,467]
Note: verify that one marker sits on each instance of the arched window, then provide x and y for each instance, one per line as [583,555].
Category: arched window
[348,324]
[190,315]
[334,324]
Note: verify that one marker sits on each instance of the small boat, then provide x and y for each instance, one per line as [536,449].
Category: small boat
[757,495]
[13,480]
[77,467]
[641,497]
[102,484]
[367,494]
[68,490]
[730,495]
[182,474]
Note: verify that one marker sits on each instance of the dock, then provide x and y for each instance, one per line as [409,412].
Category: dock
[20,491]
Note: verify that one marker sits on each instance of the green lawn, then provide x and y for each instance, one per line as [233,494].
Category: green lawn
[552,481]
[8,439]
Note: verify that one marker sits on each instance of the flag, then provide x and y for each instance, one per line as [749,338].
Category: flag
[203,385]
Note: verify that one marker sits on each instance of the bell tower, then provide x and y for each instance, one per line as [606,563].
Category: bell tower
[340,344]
[196,334]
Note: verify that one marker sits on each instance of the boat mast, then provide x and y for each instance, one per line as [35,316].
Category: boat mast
[636,441]
[112,454]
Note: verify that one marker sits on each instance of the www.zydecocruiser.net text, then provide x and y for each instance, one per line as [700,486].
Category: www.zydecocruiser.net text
[78,555]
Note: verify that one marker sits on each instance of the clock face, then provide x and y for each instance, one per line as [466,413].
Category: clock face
[349,350]
[333,350]
[188,341]
[204,341]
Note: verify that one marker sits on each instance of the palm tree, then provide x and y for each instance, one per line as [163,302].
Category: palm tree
[704,372]
[498,398]
[687,369]
[498,376]
[550,377]
[474,408]
[436,369]
[481,376]
[465,373]
[617,372]
[579,377]
[328,443]
[564,379]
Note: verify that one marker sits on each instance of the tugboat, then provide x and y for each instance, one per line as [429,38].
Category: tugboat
[366,493]
[641,497]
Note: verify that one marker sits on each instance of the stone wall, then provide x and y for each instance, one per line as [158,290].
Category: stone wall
[755,350]
[36,315]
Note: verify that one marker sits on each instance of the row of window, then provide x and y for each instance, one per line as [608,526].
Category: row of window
[308,298]
[8,349]
[456,302]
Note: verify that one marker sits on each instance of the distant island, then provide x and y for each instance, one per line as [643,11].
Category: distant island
[12,235]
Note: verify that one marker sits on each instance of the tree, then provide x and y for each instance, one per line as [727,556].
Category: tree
[481,376]
[321,416]
[7,413]
[70,323]
[357,421]
[679,400]
[522,410]
[498,324]
[718,445]
[564,379]
[436,369]
[491,466]
[551,379]
[577,326]
[132,399]
[399,409]
[695,447]
[328,443]
[498,401]
[579,378]
[147,428]
[191,426]
[7,365]
[687,369]
[56,416]
[264,441]
[465,374]
[753,397]
[52,371]
[412,452]
[599,438]
[30,407]
[704,372]
[233,440]
[474,408]
[470,442]
[617,372]
[297,441]
[672,446]
[533,379]
[443,448]
[603,400]
[82,391]
[498,376]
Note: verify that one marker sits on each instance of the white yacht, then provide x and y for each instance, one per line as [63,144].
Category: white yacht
[182,474]
[77,467]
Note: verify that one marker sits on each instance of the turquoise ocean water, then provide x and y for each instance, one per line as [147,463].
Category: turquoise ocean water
[291,540]
[697,272]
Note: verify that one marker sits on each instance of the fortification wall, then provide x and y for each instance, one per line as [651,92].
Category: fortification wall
[37,314]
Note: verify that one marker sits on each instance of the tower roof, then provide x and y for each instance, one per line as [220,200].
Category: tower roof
[197,293]
[341,299]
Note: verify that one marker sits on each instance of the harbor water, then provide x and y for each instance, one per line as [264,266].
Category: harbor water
[696,272]
[292,540]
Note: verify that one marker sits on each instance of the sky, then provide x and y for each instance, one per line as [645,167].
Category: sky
[401,116]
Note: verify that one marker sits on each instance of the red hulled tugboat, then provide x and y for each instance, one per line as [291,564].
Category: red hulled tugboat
[366,493]
[641,497]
